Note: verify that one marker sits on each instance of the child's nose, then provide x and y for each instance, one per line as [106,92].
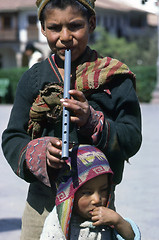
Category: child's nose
[65,35]
[96,198]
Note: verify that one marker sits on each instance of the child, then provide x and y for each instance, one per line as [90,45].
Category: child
[33,54]
[85,184]
[104,108]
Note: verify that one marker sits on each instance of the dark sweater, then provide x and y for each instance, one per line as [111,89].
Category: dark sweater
[119,140]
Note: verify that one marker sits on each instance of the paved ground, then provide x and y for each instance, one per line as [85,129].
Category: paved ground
[137,196]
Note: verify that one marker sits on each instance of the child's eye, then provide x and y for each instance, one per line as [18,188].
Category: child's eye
[104,190]
[75,26]
[55,28]
[86,193]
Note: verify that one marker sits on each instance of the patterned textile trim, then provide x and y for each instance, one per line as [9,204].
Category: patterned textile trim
[64,213]
[55,69]
[93,120]
[65,192]
[99,71]
[22,154]
[98,129]
[41,4]
[94,127]
[89,4]
[36,159]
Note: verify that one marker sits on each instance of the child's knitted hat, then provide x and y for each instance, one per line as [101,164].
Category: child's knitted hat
[85,162]
[87,3]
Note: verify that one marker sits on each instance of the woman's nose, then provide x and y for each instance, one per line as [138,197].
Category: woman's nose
[65,35]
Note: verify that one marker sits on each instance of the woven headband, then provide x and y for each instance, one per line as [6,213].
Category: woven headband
[89,4]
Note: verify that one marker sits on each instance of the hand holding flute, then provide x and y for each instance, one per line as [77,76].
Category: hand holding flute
[55,158]
[81,112]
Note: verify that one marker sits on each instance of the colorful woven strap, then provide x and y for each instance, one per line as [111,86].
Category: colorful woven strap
[97,71]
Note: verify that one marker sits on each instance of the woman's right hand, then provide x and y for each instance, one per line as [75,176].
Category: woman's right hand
[53,153]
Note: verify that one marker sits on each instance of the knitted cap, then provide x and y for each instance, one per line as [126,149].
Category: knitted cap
[85,162]
[89,4]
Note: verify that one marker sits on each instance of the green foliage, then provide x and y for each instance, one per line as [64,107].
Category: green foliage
[150,55]
[118,48]
[14,75]
[140,51]
[145,81]
[147,49]
[132,53]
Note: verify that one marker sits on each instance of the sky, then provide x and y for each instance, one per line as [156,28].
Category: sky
[149,5]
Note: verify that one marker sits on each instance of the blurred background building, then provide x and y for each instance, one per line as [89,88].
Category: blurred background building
[19,25]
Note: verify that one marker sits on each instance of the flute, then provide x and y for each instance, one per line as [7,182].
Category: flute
[66,113]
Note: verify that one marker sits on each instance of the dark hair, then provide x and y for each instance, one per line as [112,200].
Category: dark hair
[62,4]
[30,46]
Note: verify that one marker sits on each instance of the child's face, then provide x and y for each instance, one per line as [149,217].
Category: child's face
[28,52]
[67,28]
[92,194]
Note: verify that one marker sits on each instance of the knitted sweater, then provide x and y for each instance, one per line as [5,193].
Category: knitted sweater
[119,134]
[81,230]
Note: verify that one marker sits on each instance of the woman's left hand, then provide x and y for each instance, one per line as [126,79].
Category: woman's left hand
[78,104]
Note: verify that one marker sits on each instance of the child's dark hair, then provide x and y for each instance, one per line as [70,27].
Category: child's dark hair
[62,4]
[31,47]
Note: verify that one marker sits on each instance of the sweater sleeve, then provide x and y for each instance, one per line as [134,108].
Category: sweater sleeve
[15,140]
[135,229]
[35,159]
[116,128]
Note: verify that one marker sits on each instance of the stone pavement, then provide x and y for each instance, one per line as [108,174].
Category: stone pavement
[138,194]
[137,197]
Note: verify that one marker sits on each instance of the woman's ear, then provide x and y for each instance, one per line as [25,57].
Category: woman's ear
[92,23]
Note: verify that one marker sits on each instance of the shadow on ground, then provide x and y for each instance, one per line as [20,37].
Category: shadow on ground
[10,224]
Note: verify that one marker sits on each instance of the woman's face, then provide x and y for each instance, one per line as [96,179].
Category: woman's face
[67,29]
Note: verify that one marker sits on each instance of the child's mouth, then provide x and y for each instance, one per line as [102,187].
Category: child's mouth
[62,51]
[90,212]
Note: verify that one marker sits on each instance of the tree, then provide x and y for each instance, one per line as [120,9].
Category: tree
[119,48]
